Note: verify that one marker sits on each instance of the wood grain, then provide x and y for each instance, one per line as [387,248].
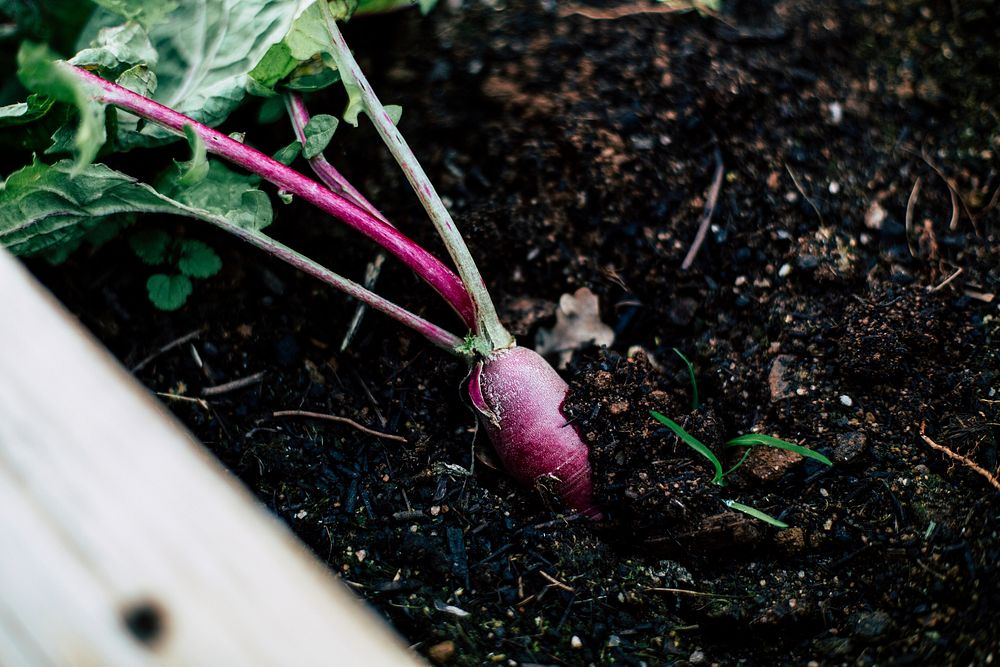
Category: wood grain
[123,542]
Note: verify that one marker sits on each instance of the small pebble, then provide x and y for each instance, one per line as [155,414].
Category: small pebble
[443,652]
[575,642]
[846,400]
[836,113]
[834,187]
[784,270]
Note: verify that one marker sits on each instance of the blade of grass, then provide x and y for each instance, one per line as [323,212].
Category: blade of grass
[694,444]
[694,382]
[755,513]
[757,439]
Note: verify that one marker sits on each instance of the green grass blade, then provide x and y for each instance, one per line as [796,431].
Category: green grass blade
[755,439]
[694,382]
[755,513]
[694,444]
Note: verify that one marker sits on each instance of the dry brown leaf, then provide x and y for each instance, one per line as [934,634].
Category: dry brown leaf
[578,324]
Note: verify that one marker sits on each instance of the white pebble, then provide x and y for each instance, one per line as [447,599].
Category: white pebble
[836,113]
[784,270]
[575,642]
[834,187]
[846,400]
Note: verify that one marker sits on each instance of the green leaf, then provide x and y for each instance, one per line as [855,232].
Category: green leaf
[355,103]
[39,73]
[21,113]
[694,444]
[224,192]
[287,155]
[379,6]
[196,169]
[395,113]
[198,260]
[319,130]
[42,206]
[207,50]
[757,439]
[116,49]
[150,245]
[755,513]
[168,292]
[147,12]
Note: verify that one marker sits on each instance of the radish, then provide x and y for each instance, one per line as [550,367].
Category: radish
[516,393]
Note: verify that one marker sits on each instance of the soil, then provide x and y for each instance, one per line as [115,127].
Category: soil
[832,304]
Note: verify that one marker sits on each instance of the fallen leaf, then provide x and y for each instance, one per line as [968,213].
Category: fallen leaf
[578,324]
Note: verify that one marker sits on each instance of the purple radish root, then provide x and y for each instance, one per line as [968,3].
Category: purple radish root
[519,398]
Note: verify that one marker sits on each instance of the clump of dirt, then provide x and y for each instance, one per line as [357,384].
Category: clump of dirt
[826,307]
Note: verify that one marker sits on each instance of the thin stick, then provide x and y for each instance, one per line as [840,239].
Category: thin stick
[487,322]
[166,348]
[798,186]
[911,203]
[706,216]
[946,281]
[233,386]
[339,420]
[177,397]
[425,265]
[964,460]
[622,11]
[555,582]
[684,591]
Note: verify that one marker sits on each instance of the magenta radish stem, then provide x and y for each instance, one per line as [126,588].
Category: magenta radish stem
[488,324]
[425,265]
[325,171]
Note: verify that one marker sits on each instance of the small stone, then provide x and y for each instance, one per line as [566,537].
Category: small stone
[442,652]
[697,657]
[846,400]
[836,112]
[875,216]
[780,387]
[575,642]
[834,187]
[785,269]
[871,624]
[849,446]
[618,407]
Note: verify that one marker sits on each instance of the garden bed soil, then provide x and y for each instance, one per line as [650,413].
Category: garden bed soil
[576,147]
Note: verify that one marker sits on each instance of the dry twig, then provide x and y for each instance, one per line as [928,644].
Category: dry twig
[802,191]
[706,216]
[166,348]
[339,420]
[946,281]
[233,386]
[622,11]
[911,203]
[964,460]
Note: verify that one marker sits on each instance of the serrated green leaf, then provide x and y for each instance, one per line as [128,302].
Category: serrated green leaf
[695,444]
[755,513]
[196,169]
[39,73]
[147,12]
[287,155]
[758,439]
[29,111]
[116,49]
[150,245]
[197,259]
[206,51]
[319,130]
[168,292]
[42,206]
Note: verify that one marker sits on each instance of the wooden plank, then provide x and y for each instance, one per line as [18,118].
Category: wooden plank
[123,542]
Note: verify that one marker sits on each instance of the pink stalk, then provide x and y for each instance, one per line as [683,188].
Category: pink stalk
[425,265]
[320,165]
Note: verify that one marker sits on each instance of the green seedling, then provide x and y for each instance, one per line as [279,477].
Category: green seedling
[694,382]
[749,440]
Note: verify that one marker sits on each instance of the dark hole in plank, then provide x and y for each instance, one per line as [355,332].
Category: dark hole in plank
[145,621]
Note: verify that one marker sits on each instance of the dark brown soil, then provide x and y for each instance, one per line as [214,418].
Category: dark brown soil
[578,151]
